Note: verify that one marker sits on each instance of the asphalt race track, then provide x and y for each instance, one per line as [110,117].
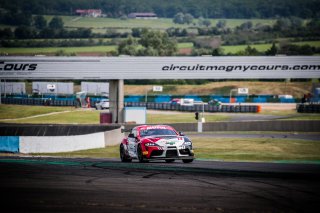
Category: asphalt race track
[30,184]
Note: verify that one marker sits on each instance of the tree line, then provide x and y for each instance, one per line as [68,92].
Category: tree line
[169,8]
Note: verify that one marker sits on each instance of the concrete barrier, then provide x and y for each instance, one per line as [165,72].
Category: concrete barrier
[52,144]
[57,138]
[113,137]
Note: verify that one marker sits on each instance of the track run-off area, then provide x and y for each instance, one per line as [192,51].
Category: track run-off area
[47,184]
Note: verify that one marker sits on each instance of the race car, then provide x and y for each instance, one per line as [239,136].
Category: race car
[156,142]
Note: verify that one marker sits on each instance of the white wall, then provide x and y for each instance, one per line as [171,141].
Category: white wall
[52,144]
[113,137]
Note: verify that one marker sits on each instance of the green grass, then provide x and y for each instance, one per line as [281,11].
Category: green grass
[69,50]
[107,152]
[46,50]
[74,117]
[104,23]
[71,115]
[65,115]
[263,47]
[236,48]
[311,43]
[183,118]
[185,45]
[107,48]
[160,23]
[256,149]
[20,111]
[230,149]
[305,116]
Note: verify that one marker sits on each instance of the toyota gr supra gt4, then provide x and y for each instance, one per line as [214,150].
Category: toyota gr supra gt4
[156,142]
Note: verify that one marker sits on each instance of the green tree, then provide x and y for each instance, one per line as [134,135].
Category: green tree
[206,22]
[178,18]
[24,32]
[159,41]
[251,51]
[56,23]
[188,18]
[273,50]
[40,22]
[128,47]
[221,24]
[6,33]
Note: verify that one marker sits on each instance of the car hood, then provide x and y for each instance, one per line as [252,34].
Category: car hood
[164,140]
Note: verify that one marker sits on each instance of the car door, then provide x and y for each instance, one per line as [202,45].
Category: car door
[132,143]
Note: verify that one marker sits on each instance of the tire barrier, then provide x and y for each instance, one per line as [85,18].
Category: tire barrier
[197,108]
[308,108]
[38,102]
[149,105]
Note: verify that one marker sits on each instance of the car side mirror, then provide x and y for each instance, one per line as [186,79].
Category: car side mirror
[181,134]
[131,135]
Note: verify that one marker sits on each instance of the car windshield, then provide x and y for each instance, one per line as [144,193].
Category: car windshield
[151,132]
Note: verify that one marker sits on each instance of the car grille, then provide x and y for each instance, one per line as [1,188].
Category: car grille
[156,153]
[171,153]
[184,151]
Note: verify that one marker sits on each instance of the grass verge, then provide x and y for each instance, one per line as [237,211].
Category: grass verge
[70,115]
[230,149]
[256,149]
[8,111]
[184,118]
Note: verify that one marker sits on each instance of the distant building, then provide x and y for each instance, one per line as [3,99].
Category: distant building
[90,12]
[142,16]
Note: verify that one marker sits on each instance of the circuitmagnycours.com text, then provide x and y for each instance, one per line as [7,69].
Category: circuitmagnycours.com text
[242,68]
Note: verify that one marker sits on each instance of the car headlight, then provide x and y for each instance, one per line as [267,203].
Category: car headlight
[151,144]
[187,143]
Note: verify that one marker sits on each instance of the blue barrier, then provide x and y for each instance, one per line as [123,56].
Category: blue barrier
[260,100]
[133,98]
[287,100]
[194,97]
[9,143]
[162,98]
[223,100]
[240,99]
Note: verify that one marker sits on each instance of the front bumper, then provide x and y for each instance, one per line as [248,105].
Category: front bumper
[169,153]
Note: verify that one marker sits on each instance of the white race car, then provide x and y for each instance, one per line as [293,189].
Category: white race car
[156,142]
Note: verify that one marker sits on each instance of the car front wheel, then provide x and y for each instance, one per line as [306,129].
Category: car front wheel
[123,156]
[140,155]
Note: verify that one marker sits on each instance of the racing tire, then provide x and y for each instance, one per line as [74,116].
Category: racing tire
[140,155]
[187,160]
[123,156]
[170,161]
